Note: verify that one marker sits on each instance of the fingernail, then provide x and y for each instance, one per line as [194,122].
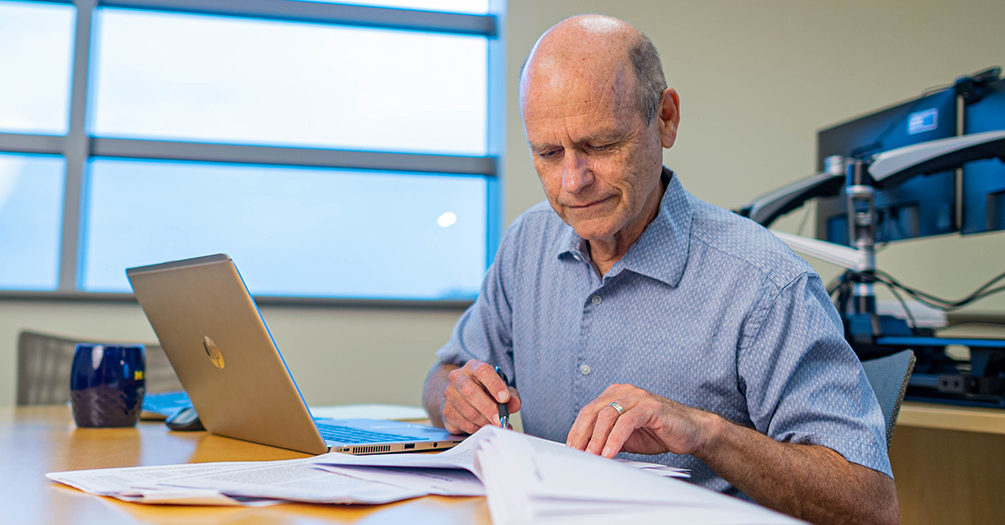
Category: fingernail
[606,451]
[502,396]
[496,420]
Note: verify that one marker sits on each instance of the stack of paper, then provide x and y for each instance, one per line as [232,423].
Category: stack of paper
[526,479]
[463,457]
[532,480]
[267,482]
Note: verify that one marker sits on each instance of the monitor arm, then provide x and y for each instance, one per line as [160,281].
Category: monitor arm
[894,167]
[886,170]
[860,179]
[766,208]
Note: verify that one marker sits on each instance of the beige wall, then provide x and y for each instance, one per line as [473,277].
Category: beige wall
[756,78]
[336,355]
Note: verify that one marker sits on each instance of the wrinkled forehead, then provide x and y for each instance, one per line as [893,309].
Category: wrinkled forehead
[552,89]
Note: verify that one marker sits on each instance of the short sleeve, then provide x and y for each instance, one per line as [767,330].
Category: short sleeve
[484,331]
[803,382]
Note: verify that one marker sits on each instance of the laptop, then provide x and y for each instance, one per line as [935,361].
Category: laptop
[218,344]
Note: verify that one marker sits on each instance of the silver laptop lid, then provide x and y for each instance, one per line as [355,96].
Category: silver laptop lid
[217,342]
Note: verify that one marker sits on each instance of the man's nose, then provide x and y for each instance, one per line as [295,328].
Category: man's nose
[576,173]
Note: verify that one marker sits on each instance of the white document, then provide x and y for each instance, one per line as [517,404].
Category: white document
[128,483]
[443,482]
[528,479]
[461,456]
[388,412]
[656,468]
[296,480]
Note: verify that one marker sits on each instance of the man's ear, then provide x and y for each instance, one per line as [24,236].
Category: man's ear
[669,116]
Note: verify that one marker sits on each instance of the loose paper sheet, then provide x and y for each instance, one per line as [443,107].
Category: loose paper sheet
[125,483]
[296,480]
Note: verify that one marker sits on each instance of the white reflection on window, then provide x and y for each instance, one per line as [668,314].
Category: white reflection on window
[447,219]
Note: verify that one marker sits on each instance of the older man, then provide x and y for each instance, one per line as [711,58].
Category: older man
[636,318]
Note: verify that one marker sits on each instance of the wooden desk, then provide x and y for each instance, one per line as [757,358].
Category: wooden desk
[949,417]
[949,464]
[37,440]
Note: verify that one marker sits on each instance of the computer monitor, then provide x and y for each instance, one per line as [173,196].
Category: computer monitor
[983,186]
[920,207]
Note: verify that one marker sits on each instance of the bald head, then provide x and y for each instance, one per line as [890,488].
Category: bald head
[597,49]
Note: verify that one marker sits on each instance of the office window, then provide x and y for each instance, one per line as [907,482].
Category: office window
[31,201]
[186,77]
[35,49]
[333,150]
[292,231]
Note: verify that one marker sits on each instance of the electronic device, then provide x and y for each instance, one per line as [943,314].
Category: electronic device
[920,207]
[185,420]
[216,340]
[983,184]
[898,182]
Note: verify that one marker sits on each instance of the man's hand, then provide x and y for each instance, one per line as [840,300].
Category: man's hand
[810,482]
[464,399]
[651,424]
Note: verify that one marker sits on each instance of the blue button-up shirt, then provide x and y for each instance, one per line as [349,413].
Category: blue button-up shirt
[707,308]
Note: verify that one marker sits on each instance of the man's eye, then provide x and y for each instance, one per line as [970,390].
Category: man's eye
[549,154]
[602,147]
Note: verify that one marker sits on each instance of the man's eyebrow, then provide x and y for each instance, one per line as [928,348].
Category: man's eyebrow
[603,136]
[540,148]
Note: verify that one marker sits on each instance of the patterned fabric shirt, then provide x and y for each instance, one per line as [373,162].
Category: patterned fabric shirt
[707,308]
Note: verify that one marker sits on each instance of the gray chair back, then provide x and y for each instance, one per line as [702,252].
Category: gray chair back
[44,362]
[888,377]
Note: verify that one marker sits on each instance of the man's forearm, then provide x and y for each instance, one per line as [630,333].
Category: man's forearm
[807,481]
[432,392]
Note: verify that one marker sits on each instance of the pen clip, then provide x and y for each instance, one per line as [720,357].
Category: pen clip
[502,375]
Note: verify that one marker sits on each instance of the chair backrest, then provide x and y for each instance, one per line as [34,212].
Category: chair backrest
[44,362]
[888,377]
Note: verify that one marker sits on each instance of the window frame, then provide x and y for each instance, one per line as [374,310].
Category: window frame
[77,147]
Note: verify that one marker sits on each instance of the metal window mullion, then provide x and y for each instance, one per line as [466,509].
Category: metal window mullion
[76,150]
[496,135]
[27,143]
[291,156]
[324,13]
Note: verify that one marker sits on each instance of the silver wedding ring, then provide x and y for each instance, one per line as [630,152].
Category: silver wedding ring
[619,408]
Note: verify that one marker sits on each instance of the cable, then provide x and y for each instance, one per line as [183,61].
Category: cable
[966,323]
[838,282]
[803,222]
[913,325]
[938,302]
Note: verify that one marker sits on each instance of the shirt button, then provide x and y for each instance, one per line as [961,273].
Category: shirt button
[585,369]
[596,299]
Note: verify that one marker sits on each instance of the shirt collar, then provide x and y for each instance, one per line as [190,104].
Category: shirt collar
[661,251]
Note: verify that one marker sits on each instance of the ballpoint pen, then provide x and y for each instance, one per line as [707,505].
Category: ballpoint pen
[503,409]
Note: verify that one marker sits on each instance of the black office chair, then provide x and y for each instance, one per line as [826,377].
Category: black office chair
[888,377]
[44,362]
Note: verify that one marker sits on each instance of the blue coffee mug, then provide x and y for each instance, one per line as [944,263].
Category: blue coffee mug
[107,385]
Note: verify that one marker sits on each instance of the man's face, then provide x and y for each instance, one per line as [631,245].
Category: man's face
[598,160]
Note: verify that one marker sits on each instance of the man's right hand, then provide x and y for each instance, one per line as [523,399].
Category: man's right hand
[468,397]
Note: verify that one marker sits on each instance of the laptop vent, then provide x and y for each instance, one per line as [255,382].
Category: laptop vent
[371,449]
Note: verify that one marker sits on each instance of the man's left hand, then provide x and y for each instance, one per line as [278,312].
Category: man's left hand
[651,424]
